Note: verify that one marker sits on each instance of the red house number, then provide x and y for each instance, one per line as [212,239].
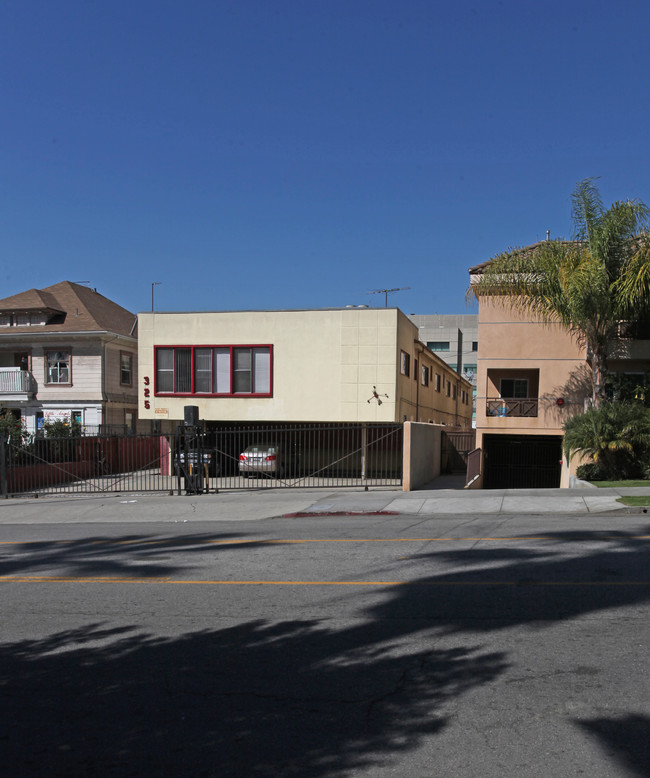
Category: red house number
[147,392]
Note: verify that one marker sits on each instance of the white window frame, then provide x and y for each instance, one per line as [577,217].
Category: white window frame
[62,358]
[126,355]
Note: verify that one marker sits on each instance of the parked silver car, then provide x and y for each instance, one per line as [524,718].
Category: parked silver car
[263,458]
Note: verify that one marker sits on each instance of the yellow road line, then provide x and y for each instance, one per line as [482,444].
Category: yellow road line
[183,582]
[288,541]
[298,541]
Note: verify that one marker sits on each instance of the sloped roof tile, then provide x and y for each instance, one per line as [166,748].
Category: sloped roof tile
[83,309]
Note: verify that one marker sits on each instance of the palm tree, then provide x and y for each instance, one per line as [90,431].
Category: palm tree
[589,284]
[616,436]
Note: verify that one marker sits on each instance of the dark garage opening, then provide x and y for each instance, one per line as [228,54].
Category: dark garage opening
[522,461]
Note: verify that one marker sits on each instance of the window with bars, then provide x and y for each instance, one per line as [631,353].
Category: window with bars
[231,371]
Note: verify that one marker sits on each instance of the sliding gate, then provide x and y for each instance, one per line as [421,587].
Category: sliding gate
[245,456]
[204,459]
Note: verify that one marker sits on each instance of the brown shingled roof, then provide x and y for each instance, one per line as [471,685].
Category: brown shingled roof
[82,309]
[31,300]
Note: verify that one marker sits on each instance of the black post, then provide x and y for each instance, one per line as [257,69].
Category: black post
[3,467]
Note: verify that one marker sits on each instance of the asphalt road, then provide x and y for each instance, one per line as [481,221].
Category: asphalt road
[327,646]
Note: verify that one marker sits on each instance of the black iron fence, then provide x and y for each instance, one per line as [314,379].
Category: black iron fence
[84,463]
[261,456]
[205,459]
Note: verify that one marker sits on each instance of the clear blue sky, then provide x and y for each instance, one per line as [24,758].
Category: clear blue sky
[300,153]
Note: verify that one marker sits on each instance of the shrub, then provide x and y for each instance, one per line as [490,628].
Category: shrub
[591,472]
[62,429]
[616,436]
[12,428]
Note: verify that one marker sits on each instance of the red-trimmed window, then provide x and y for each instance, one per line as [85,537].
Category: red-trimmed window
[223,371]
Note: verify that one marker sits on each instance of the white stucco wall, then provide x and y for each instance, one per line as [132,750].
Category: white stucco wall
[325,363]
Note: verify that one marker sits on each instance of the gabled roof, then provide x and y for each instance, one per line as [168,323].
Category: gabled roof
[79,309]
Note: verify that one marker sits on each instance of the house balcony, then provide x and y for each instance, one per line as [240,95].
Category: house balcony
[16,385]
[512,407]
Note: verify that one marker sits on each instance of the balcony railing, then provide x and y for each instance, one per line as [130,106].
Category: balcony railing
[525,406]
[13,380]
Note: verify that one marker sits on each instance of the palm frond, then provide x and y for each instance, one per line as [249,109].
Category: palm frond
[589,284]
[586,209]
[632,288]
[615,240]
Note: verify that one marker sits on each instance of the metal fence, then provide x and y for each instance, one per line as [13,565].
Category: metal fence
[47,465]
[204,459]
[260,456]
[456,446]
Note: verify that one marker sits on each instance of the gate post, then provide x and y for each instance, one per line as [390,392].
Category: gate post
[364,456]
[3,467]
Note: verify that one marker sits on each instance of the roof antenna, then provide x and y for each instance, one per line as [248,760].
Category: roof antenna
[386,292]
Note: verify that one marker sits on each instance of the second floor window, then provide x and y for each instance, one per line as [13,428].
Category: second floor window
[126,368]
[514,387]
[405,363]
[214,370]
[57,367]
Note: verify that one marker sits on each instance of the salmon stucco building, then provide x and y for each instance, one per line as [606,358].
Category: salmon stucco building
[532,376]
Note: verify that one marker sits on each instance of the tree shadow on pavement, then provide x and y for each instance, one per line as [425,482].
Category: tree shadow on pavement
[284,699]
[297,697]
[151,556]
[499,588]
[626,738]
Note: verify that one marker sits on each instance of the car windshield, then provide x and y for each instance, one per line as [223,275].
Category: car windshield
[261,450]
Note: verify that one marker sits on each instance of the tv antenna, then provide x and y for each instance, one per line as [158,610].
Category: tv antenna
[388,291]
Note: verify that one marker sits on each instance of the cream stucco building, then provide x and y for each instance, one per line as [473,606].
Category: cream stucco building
[332,365]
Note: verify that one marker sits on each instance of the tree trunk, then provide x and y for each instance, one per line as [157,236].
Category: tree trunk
[598,373]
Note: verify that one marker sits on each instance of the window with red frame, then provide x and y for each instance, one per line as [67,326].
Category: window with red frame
[232,371]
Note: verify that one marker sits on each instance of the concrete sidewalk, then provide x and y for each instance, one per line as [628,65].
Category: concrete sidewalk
[272,503]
